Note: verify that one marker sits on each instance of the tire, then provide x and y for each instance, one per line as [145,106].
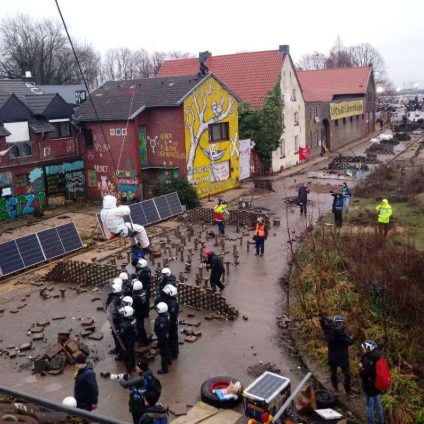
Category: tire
[214,383]
[325,399]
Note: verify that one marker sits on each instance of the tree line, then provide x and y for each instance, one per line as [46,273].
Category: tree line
[43,48]
[340,56]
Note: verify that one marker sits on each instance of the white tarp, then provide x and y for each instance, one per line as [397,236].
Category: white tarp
[19,131]
[245,148]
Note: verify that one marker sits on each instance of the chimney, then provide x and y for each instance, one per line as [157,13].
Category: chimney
[284,48]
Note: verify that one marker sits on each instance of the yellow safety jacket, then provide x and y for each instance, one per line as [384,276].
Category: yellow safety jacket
[384,212]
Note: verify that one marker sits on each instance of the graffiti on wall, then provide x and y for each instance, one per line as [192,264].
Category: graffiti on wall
[164,147]
[66,180]
[32,182]
[23,204]
[212,167]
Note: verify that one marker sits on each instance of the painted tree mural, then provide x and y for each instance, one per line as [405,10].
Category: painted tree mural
[208,107]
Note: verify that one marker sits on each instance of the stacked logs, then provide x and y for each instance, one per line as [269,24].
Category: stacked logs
[81,273]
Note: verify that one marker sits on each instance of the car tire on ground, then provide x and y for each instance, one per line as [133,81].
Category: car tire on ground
[214,383]
[325,399]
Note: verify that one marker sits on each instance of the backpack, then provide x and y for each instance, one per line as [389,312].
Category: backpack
[155,386]
[382,375]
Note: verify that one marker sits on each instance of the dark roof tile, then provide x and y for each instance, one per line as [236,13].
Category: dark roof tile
[40,126]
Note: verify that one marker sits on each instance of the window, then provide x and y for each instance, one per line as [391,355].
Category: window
[344,121]
[315,112]
[351,119]
[317,140]
[310,138]
[296,118]
[296,143]
[310,114]
[357,117]
[62,129]
[218,132]
[20,150]
[283,148]
[294,94]
[89,141]
[336,122]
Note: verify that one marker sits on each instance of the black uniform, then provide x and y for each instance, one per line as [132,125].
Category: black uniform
[145,276]
[162,333]
[113,304]
[126,288]
[302,198]
[127,332]
[173,309]
[214,263]
[141,309]
[338,342]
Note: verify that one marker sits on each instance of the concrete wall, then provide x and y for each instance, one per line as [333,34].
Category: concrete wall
[288,155]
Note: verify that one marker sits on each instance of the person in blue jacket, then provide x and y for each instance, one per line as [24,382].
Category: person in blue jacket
[346,197]
[86,390]
[338,209]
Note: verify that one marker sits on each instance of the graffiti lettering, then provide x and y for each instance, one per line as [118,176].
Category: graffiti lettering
[101,168]
[13,206]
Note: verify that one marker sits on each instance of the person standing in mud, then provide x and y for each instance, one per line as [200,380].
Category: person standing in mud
[338,209]
[302,198]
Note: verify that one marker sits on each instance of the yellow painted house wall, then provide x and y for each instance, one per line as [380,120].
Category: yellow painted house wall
[212,167]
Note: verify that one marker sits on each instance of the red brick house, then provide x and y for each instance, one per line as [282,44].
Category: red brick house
[340,106]
[40,159]
[137,134]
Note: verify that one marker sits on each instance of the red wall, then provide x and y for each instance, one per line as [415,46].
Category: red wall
[165,147]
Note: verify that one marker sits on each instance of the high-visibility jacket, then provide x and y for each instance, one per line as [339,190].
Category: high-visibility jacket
[218,212]
[260,230]
[384,212]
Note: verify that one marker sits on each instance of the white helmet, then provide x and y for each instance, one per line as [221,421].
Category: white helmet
[166,271]
[170,290]
[369,345]
[161,308]
[70,401]
[142,263]
[126,311]
[117,281]
[116,288]
[123,276]
[127,301]
[138,285]
[109,202]
[260,220]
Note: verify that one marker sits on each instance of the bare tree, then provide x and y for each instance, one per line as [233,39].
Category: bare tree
[365,54]
[42,48]
[339,56]
[315,60]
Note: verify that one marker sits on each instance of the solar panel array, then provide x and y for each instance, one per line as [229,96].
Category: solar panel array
[153,210]
[23,252]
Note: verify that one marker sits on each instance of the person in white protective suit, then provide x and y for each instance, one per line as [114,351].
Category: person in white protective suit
[112,217]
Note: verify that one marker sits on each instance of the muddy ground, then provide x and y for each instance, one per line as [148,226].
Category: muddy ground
[224,348]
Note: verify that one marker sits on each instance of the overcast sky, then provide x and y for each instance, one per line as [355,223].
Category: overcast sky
[395,28]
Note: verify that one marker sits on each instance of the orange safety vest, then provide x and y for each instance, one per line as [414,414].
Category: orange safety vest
[260,230]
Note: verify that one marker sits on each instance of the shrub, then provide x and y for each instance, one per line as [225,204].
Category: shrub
[186,192]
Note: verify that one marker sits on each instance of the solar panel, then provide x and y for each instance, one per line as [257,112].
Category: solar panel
[267,386]
[162,207]
[137,214]
[50,243]
[23,252]
[10,259]
[150,211]
[30,250]
[69,237]
[174,203]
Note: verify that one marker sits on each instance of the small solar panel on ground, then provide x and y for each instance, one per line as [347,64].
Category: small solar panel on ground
[163,207]
[150,211]
[267,386]
[50,243]
[10,259]
[137,214]
[174,203]
[30,250]
[69,237]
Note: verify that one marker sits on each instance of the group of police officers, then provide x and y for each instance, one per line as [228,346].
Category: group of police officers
[128,307]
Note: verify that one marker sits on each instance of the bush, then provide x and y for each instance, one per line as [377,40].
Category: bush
[186,192]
